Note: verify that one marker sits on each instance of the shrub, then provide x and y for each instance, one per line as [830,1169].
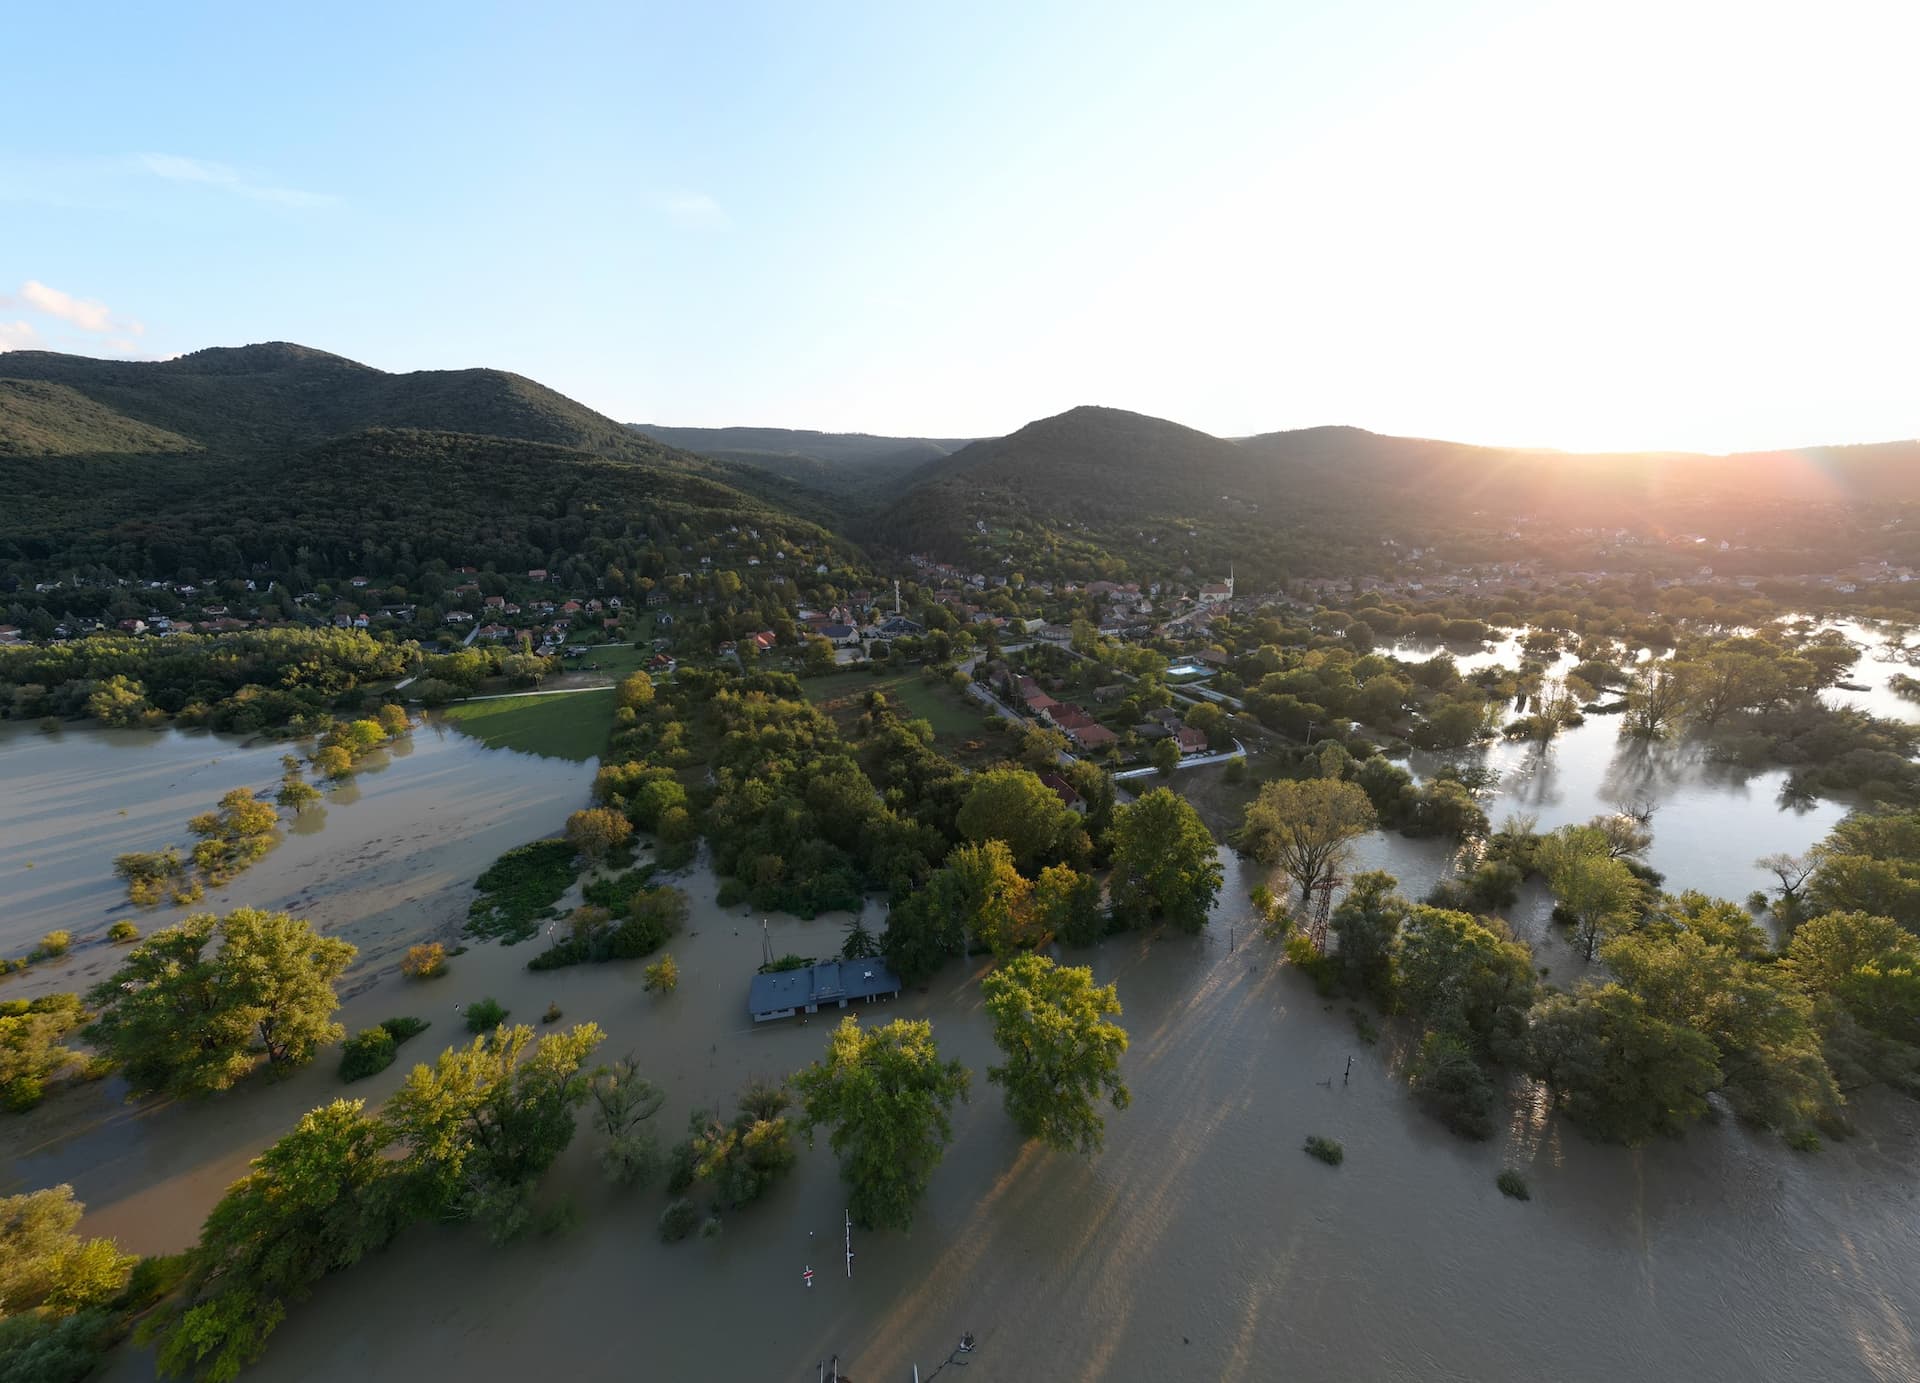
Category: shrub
[424,962]
[682,1166]
[552,1015]
[678,1220]
[710,1227]
[1511,1183]
[1326,1149]
[1324,971]
[484,1015]
[400,1029]
[367,1053]
[123,931]
[616,891]
[732,893]
[662,976]
[520,888]
[53,944]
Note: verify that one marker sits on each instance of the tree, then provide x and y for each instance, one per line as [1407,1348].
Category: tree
[45,1266]
[635,692]
[279,972]
[394,720]
[1066,906]
[1792,871]
[181,1020]
[1164,862]
[597,831]
[485,1120]
[1656,695]
[30,1050]
[1014,806]
[1306,827]
[818,658]
[316,1201]
[623,1100]
[1621,1073]
[295,791]
[1164,756]
[662,977]
[1598,893]
[424,962]
[1455,972]
[1448,1078]
[333,762]
[1367,926]
[742,1159]
[1062,1052]
[887,1097]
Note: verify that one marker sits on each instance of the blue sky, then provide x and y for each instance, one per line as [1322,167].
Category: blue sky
[1684,224]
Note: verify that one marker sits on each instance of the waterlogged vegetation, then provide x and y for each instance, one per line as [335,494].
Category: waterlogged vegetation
[518,891]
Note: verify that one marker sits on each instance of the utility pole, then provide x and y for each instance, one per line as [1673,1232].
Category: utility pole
[849,1215]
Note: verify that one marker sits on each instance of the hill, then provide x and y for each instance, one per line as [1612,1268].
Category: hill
[1096,481]
[280,395]
[835,462]
[42,419]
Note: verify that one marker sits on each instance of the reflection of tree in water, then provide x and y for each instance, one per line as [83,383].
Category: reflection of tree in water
[310,822]
[1654,769]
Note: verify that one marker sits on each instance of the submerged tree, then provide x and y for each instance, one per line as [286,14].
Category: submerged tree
[887,1098]
[1164,862]
[1306,827]
[1052,1024]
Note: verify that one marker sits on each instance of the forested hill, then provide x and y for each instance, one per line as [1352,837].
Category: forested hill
[837,462]
[377,501]
[1117,476]
[279,395]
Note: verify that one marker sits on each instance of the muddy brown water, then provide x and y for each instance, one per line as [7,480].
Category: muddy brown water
[1201,1243]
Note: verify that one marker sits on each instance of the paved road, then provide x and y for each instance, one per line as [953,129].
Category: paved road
[1239,751]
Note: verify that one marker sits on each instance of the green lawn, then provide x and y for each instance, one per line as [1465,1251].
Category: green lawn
[573,726]
[610,661]
[840,695]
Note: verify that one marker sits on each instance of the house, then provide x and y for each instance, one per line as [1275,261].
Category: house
[762,641]
[840,635]
[495,632]
[1093,737]
[660,664]
[1191,741]
[830,983]
[537,574]
[9,633]
[457,617]
[1062,789]
[899,627]
[496,602]
[656,598]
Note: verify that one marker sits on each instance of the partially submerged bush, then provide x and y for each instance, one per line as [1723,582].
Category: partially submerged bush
[678,1220]
[484,1015]
[1326,1150]
[1511,1183]
[424,962]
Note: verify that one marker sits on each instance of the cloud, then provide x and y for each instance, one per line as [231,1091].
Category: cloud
[177,168]
[86,314]
[695,211]
[18,336]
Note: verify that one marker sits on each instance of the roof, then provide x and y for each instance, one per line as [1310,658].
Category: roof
[830,981]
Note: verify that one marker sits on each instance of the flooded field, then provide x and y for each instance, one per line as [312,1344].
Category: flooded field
[1201,1244]
[385,859]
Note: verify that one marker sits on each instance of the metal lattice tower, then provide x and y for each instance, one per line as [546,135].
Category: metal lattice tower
[1320,908]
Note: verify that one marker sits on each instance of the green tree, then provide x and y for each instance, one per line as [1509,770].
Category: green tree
[1053,1025]
[280,973]
[1621,1073]
[30,1052]
[1306,827]
[1367,927]
[622,1101]
[1164,862]
[45,1266]
[1014,806]
[1598,893]
[485,1120]
[887,1098]
[818,658]
[316,1201]
[1066,905]
[1457,973]
[1164,756]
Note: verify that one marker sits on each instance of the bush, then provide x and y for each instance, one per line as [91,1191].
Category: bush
[615,892]
[1449,1080]
[424,962]
[1325,1149]
[1511,1183]
[552,1015]
[682,1166]
[484,1015]
[123,931]
[53,944]
[400,1029]
[1324,971]
[678,1220]
[367,1053]
[732,893]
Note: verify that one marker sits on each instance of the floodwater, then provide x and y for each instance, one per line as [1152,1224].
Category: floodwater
[385,859]
[1202,1243]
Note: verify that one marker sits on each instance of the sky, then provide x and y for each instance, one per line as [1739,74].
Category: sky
[1678,225]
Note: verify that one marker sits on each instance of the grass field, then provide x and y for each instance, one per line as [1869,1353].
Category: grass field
[841,694]
[574,726]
